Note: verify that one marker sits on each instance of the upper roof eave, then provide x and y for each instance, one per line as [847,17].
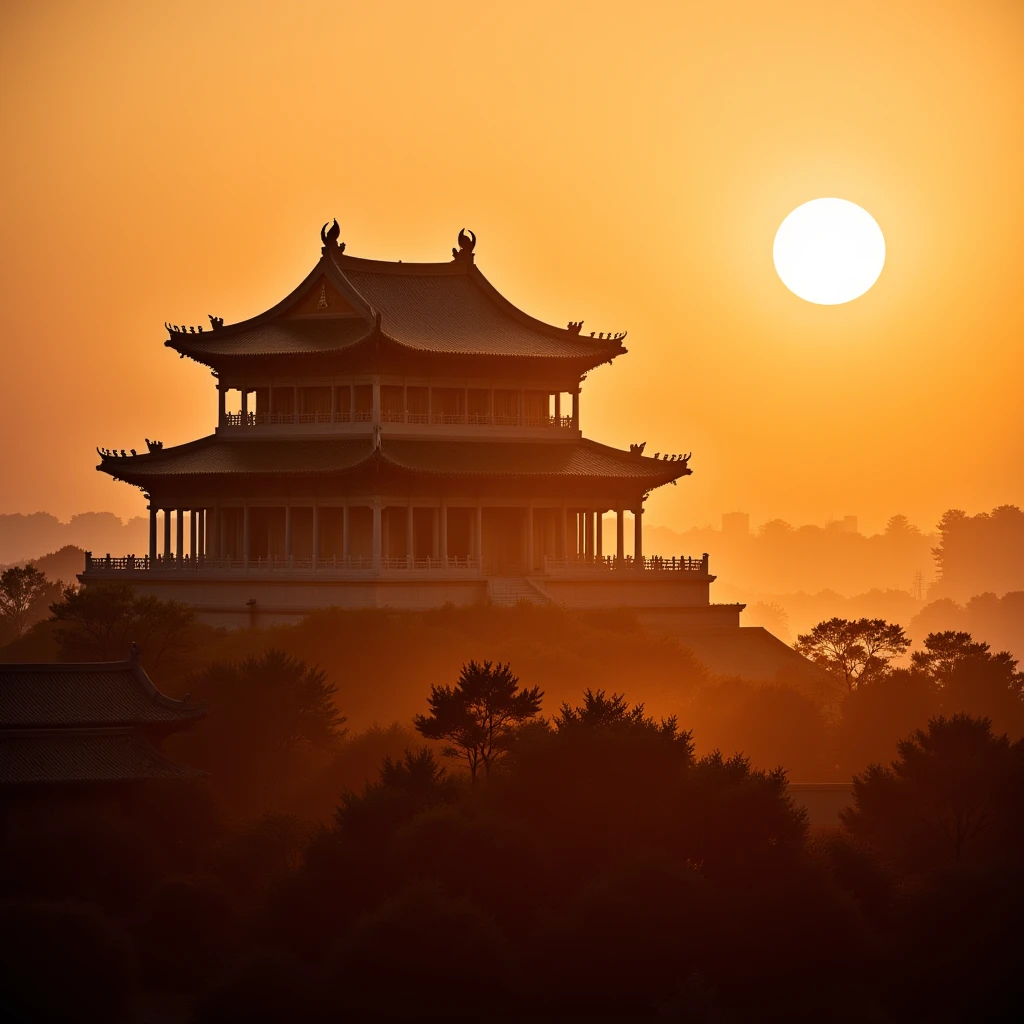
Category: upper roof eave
[343,271]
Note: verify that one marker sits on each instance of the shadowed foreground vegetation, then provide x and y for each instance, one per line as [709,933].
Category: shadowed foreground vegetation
[599,869]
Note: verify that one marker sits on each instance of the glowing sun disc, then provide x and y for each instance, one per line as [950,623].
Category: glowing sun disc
[829,251]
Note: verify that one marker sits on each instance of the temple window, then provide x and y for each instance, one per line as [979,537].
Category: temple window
[478,406]
[363,395]
[535,408]
[448,405]
[343,403]
[392,406]
[315,405]
[506,408]
[417,405]
[282,404]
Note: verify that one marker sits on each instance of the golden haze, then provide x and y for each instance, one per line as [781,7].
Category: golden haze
[628,164]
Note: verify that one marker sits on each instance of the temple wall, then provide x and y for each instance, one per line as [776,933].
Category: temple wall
[250,601]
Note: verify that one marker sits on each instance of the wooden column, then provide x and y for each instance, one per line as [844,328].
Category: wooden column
[152,534]
[478,534]
[376,400]
[295,403]
[245,406]
[288,533]
[435,523]
[576,410]
[316,532]
[529,538]
[193,534]
[216,546]
[563,532]
[221,404]
[179,535]
[334,402]
[345,546]
[376,533]
[385,533]
[588,535]
[202,533]
[167,533]
[638,537]
[599,527]
[620,534]
[245,535]
[444,534]
[409,536]
[558,408]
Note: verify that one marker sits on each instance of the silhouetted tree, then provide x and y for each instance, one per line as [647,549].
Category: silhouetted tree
[477,718]
[266,713]
[418,955]
[979,553]
[954,793]
[944,651]
[100,622]
[407,786]
[853,650]
[901,526]
[877,714]
[22,592]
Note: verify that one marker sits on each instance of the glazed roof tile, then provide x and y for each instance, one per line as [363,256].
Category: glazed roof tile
[572,458]
[30,756]
[441,308]
[91,694]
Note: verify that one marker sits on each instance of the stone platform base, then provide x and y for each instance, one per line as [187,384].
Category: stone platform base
[234,601]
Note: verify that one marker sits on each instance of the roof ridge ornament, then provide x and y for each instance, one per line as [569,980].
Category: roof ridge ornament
[467,243]
[330,235]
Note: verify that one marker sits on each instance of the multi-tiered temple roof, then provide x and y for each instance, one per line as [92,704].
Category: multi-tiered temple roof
[350,310]
[398,434]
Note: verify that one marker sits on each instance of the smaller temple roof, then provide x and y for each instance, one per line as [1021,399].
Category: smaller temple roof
[435,308]
[83,755]
[113,693]
[213,455]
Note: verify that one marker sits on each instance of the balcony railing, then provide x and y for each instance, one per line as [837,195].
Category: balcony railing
[611,563]
[607,564]
[104,564]
[473,419]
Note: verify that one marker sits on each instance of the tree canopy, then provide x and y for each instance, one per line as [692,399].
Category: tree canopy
[24,594]
[853,650]
[101,622]
[478,717]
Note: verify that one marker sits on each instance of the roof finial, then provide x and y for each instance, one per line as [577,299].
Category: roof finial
[467,242]
[329,236]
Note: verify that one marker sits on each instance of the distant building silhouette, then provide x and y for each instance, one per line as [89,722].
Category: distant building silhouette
[736,524]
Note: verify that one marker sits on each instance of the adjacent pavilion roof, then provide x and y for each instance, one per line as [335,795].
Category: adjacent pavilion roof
[215,456]
[83,755]
[86,723]
[103,693]
[346,303]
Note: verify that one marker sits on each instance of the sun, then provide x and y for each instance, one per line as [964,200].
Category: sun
[829,251]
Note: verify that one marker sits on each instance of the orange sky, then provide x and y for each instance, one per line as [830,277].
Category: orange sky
[624,163]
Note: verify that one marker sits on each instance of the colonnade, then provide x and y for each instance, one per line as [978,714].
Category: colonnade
[226,530]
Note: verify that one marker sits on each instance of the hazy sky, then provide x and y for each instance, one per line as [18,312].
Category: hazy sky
[624,163]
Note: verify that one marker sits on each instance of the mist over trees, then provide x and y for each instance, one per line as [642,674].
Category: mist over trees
[29,536]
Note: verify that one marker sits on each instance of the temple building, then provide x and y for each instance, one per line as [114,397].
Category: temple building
[400,435]
[96,724]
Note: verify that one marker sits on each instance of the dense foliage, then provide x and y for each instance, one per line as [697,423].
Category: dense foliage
[602,870]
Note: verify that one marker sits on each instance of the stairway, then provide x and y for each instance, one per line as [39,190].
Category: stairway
[506,592]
